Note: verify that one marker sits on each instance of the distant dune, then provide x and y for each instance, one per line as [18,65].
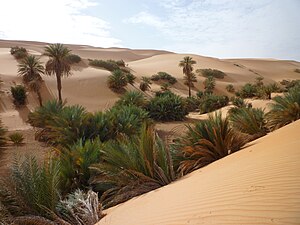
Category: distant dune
[257,185]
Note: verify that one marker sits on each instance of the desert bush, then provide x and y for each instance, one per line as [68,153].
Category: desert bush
[209,85]
[164,76]
[165,87]
[2,136]
[211,73]
[167,107]
[106,64]
[73,58]
[259,81]
[133,166]
[200,94]
[16,138]
[18,52]
[132,98]
[297,70]
[145,84]
[80,208]
[192,104]
[205,142]
[284,109]
[247,91]
[212,102]
[19,95]
[250,121]
[117,81]
[130,78]
[288,84]
[230,88]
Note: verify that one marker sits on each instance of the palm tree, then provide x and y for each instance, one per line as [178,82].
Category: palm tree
[145,84]
[187,65]
[209,84]
[31,69]
[58,63]
[117,81]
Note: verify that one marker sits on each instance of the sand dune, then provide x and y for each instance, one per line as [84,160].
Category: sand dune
[258,185]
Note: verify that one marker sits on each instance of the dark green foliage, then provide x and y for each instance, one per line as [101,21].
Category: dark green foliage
[285,109]
[238,102]
[192,104]
[2,136]
[132,98]
[165,77]
[259,81]
[250,121]
[109,65]
[205,142]
[117,81]
[133,166]
[230,88]
[187,69]
[130,78]
[165,87]
[200,94]
[73,58]
[31,189]
[247,91]
[16,138]
[19,95]
[209,85]
[211,73]
[212,102]
[167,107]
[18,52]
[290,83]
[145,84]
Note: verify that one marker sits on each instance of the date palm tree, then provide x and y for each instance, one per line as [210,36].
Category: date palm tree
[58,63]
[31,70]
[187,69]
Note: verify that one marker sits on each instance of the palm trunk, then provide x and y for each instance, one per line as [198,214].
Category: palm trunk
[39,97]
[58,79]
[190,94]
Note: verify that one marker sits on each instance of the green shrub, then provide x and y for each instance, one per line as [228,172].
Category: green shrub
[19,95]
[212,102]
[145,84]
[109,65]
[18,52]
[288,84]
[164,76]
[284,109]
[16,138]
[209,85]
[73,58]
[230,88]
[130,78]
[200,94]
[167,107]
[250,121]
[132,98]
[247,91]
[117,81]
[192,104]
[211,73]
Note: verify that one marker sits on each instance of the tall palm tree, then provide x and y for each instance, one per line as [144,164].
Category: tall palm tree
[58,63]
[187,69]
[31,69]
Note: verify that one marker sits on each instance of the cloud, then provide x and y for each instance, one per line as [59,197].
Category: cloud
[54,21]
[227,28]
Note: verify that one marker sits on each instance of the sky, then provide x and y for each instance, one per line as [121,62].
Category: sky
[217,28]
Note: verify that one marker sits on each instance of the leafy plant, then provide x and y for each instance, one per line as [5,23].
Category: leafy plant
[212,102]
[117,81]
[73,58]
[19,95]
[130,78]
[230,88]
[297,70]
[167,107]
[250,121]
[209,85]
[247,91]
[18,52]
[165,77]
[145,84]
[211,73]
[133,166]
[284,109]
[16,138]
[187,69]
[132,98]
[205,142]
[192,104]
[2,136]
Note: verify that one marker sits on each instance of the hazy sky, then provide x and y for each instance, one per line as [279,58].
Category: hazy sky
[219,28]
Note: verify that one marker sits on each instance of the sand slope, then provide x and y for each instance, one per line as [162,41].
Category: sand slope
[258,185]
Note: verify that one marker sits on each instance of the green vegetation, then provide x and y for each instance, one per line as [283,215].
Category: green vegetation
[133,98]
[145,84]
[206,142]
[167,107]
[16,138]
[209,85]
[285,109]
[288,84]
[297,70]
[133,166]
[19,95]
[58,63]
[187,69]
[2,136]
[31,69]
[18,52]
[192,103]
[130,78]
[212,102]
[247,91]
[211,73]
[109,65]
[117,81]
[73,58]
[230,88]
[164,77]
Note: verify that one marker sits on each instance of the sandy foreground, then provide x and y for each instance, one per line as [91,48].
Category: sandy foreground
[257,185]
